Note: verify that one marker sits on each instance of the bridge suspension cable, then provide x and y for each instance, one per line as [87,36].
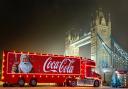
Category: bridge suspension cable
[120,50]
[119,53]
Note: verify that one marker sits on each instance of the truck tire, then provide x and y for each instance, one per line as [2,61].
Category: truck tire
[5,84]
[96,83]
[33,82]
[73,83]
[21,82]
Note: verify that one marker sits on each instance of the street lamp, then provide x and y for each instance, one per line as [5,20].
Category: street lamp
[105,70]
[104,80]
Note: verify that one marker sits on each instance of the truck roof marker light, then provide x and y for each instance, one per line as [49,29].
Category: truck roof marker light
[13,76]
[21,52]
[20,76]
[90,66]
[3,61]
[69,76]
[2,77]
[81,69]
[3,54]
[34,76]
[3,66]
[34,53]
[27,76]
[14,51]
[2,72]
[28,53]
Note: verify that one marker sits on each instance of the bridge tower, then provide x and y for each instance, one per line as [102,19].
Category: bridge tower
[71,50]
[101,25]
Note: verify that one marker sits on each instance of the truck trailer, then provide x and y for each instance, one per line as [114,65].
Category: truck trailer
[32,68]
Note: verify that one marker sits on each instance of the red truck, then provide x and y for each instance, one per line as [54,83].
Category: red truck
[32,68]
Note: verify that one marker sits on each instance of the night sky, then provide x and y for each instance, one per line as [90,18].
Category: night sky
[40,26]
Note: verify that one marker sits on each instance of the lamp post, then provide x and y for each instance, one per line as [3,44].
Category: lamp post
[104,80]
[106,70]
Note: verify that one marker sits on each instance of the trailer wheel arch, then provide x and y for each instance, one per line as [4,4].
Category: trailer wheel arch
[96,83]
[5,84]
[71,82]
[21,82]
[33,82]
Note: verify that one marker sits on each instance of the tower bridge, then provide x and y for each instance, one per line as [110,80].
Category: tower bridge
[105,51]
[84,40]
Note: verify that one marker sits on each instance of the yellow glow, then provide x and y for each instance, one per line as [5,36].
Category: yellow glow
[90,66]
[28,53]
[2,72]
[13,76]
[20,76]
[69,76]
[2,77]
[3,60]
[14,51]
[27,76]
[3,66]
[3,54]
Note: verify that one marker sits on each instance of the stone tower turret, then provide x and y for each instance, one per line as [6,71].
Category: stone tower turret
[101,27]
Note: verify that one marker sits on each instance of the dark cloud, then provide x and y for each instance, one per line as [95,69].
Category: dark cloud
[41,25]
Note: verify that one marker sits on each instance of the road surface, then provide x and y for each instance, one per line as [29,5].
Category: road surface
[45,86]
[55,87]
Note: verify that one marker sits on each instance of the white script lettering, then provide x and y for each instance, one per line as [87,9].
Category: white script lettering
[61,66]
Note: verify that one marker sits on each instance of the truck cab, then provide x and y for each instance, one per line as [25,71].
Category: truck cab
[90,78]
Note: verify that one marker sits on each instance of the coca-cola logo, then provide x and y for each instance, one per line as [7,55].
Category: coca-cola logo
[60,66]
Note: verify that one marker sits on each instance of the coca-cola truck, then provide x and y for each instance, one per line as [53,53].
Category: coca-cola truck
[32,68]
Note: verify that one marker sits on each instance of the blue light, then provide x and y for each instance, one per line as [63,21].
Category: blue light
[115,82]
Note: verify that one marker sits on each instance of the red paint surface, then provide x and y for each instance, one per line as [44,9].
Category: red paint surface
[47,68]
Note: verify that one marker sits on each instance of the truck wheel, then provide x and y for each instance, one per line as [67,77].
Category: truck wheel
[33,82]
[73,83]
[5,84]
[21,82]
[96,83]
